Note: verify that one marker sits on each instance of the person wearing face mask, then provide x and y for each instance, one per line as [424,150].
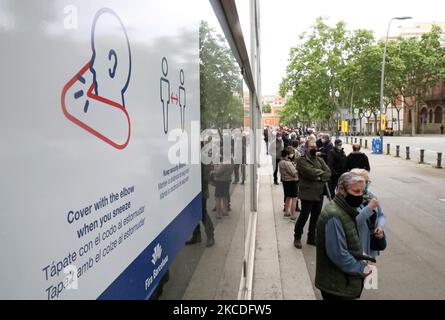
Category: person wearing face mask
[294,159]
[313,173]
[289,177]
[300,147]
[370,219]
[326,146]
[337,163]
[339,274]
[275,149]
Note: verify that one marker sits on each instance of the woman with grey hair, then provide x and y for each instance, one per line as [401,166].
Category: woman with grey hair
[371,219]
[340,269]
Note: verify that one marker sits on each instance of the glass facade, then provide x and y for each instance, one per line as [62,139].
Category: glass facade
[132,138]
[203,269]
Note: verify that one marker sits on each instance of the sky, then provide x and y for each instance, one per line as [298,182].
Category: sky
[283,20]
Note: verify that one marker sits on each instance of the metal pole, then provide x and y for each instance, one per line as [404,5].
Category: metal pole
[422,155]
[388,148]
[366,144]
[253,111]
[382,78]
[397,151]
[439,160]
[407,154]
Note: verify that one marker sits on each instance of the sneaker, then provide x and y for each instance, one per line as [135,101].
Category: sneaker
[214,209]
[311,242]
[210,242]
[297,244]
[276,183]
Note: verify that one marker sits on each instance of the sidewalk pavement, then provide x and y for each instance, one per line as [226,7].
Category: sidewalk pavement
[280,270]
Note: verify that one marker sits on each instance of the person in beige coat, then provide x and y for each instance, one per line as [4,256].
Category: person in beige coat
[289,177]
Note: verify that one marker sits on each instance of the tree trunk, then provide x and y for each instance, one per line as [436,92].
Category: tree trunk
[376,132]
[398,122]
[367,131]
[413,119]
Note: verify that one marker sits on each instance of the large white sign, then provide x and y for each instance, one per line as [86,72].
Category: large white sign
[90,205]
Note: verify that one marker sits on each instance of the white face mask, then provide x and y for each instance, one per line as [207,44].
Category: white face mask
[291,156]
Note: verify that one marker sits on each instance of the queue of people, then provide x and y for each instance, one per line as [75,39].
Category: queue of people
[219,175]
[348,231]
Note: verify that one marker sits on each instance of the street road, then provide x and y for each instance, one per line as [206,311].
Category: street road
[430,143]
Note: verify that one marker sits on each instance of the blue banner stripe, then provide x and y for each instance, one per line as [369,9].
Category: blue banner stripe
[134,282]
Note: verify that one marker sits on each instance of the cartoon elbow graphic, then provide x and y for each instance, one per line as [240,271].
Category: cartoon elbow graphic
[94,98]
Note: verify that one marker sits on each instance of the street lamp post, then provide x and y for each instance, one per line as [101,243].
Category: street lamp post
[367,115]
[335,95]
[382,79]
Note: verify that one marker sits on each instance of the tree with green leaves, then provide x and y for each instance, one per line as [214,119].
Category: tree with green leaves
[334,68]
[422,67]
[267,108]
[221,84]
[320,77]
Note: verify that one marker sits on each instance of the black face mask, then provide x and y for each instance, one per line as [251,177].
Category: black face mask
[354,201]
[312,152]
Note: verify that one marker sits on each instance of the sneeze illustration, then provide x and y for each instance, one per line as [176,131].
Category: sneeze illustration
[105,79]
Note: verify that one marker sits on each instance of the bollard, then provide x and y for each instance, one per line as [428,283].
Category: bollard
[422,156]
[355,140]
[366,144]
[361,142]
[397,151]
[347,140]
[439,160]
[407,154]
[388,149]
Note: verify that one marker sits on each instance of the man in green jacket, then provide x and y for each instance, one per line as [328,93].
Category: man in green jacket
[313,173]
[340,269]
